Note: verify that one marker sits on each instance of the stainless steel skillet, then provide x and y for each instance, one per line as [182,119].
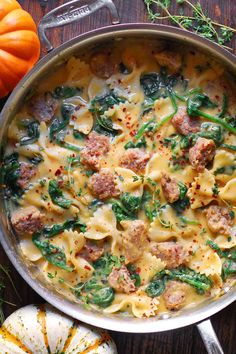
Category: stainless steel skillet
[68,13]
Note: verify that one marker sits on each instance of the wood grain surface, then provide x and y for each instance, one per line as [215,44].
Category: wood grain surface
[181,341]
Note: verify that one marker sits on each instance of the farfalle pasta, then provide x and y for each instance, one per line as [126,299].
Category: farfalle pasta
[120,175]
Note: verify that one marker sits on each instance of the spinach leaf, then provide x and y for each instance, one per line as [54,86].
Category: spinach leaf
[180,205]
[104,264]
[151,84]
[228,268]
[230,147]
[211,131]
[95,204]
[10,172]
[149,126]
[126,208]
[226,170]
[152,209]
[62,92]
[185,221]
[36,159]
[230,253]
[208,131]
[33,134]
[51,231]
[182,190]
[56,195]
[59,124]
[197,101]
[200,282]
[155,288]
[134,275]
[131,145]
[103,297]
[156,85]
[78,135]
[104,126]
[224,107]
[53,254]
[97,290]
[99,105]
[61,142]
[130,202]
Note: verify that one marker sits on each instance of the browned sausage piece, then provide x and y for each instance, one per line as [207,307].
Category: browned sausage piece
[134,159]
[175,295]
[102,184]
[96,146]
[170,59]
[202,153]
[27,220]
[92,250]
[170,188]
[119,279]
[134,239]
[218,219]
[43,107]
[172,253]
[27,171]
[184,124]
[102,65]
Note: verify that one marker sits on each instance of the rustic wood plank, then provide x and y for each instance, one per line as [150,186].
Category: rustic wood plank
[181,341]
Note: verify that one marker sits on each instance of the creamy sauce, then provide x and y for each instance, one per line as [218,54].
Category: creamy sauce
[137,100]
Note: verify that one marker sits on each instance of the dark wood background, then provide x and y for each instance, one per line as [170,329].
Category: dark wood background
[181,341]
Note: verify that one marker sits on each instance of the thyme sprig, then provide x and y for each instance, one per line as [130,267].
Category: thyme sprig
[4,273]
[197,22]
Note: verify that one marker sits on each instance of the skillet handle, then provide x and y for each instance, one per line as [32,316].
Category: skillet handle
[209,337]
[70,12]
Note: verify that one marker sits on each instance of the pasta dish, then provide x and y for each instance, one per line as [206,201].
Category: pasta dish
[119,175]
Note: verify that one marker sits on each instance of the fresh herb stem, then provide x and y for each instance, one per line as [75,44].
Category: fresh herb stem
[7,273]
[169,116]
[216,120]
[144,128]
[230,147]
[197,21]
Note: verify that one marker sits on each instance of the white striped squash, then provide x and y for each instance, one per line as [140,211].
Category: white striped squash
[43,330]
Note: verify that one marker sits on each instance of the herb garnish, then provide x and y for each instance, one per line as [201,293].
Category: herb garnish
[198,21]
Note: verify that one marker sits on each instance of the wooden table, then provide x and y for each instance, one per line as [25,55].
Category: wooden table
[181,341]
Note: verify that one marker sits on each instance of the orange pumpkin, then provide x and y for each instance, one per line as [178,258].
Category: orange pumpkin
[19,44]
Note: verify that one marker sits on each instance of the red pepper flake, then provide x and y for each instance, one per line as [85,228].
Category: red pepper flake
[87,267]
[133,133]
[58,172]
[138,270]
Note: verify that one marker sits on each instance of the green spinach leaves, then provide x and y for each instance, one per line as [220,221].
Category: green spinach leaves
[194,105]
[33,133]
[99,105]
[200,282]
[54,254]
[57,196]
[126,208]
